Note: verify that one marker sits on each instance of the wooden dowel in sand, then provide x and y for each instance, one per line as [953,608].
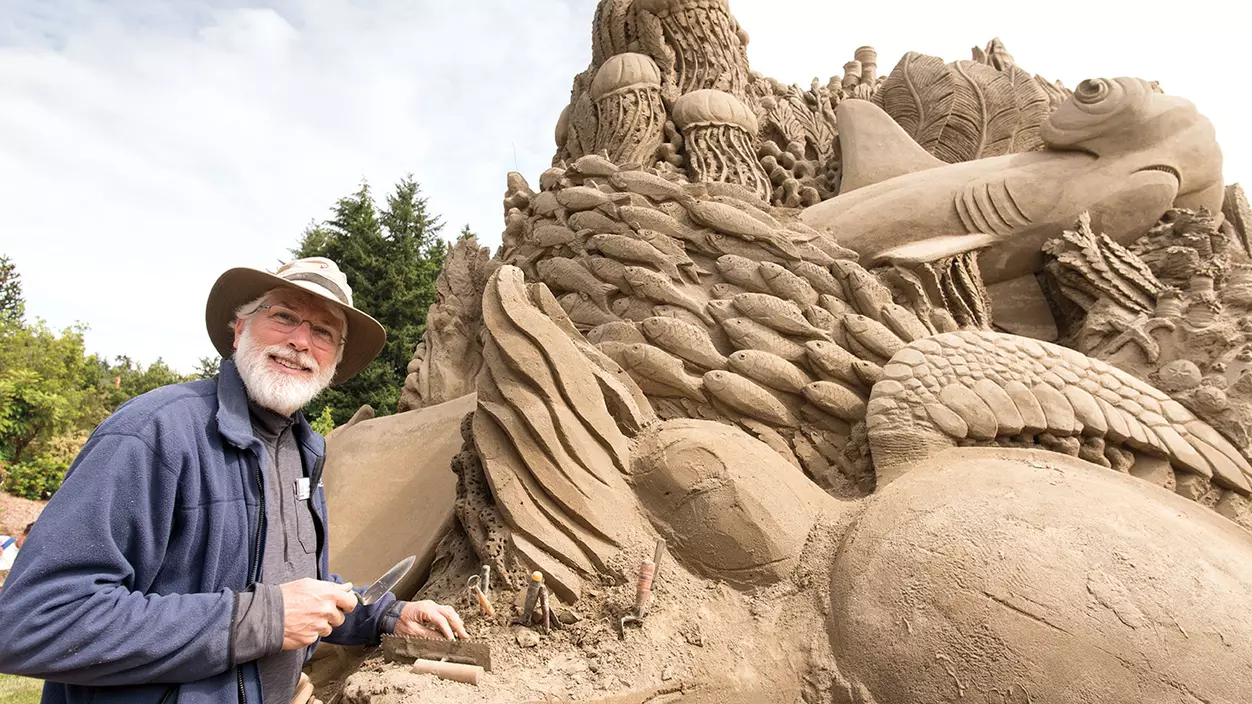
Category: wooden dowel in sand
[455,671]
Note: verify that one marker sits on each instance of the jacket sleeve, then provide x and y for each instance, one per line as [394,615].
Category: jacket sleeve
[71,607]
[364,625]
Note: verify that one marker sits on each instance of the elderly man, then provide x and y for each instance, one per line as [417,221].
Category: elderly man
[185,557]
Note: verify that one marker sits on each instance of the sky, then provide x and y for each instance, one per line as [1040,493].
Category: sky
[146,146]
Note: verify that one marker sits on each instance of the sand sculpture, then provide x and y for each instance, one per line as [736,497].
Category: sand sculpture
[917,419]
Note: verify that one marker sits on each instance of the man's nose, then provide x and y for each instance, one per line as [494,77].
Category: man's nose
[302,337]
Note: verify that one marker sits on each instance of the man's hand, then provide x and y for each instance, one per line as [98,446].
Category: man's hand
[311,608]
[416,616]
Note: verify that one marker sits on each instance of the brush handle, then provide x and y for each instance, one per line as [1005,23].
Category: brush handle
[643,590]
[455,671]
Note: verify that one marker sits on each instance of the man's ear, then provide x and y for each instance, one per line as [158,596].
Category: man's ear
[239,324]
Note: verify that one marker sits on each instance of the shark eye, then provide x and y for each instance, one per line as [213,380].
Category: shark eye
[1092,90]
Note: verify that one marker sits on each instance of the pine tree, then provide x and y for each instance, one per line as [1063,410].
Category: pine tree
[12,303]
[391,258]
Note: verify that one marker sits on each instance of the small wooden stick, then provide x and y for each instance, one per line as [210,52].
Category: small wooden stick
[455,671]
[484,604]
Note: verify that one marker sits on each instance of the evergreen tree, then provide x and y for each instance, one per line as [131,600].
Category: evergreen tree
[207,367]
[12,304]
[391,258]
[465,233]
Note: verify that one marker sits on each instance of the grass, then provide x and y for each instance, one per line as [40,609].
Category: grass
[19,690]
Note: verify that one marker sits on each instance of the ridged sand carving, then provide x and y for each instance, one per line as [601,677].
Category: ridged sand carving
[773,327]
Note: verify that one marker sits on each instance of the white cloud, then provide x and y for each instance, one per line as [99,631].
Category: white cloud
[149,146]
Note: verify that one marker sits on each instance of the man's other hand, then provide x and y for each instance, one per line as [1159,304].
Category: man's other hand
[311,608]
[418,617]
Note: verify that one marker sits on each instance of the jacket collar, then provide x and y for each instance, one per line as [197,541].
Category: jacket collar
[234,422]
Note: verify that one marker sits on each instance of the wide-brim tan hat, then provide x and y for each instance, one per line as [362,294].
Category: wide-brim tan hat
[316,275]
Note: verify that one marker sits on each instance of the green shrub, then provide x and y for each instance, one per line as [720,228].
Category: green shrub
[19,690]
[35,479]
[324,423]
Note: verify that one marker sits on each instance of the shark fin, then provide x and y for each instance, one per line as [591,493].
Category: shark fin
[875,147]
[935,248]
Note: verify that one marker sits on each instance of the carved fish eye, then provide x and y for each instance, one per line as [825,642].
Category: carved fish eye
[1092,90]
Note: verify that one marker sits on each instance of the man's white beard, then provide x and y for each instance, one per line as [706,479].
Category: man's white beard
[272,389]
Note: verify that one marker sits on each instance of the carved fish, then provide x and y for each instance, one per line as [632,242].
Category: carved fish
[724,188]
[594,165]
[733,221]
[742,272]
[868,294]
[564,274]
[745,396]
[745,207]
[663,310]
[546,205]
[684,340]
[836,399]
[663,372]
[873,335]
[781,315]
[617,331]
[673,250]
[552,178]
[575,198]
[822,319]
[655,287]
[653,219]
[583,313]
[597,221]
[632,308]
[835,306]
[725,290]
[904,322]
[769,369]
[813,254]
[722,310]
[551,235]
[648,185]
[834,361]
[609,270]
[746,333]
[787,285]
[729,244]
[1117,149]
[819,277]
[824,242]
[633,250]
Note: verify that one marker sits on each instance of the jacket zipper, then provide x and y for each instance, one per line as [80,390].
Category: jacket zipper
[256,563]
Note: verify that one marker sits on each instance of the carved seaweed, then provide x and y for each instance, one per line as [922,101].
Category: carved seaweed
[550,447]
[919,94]
[965,110]
[1090,268]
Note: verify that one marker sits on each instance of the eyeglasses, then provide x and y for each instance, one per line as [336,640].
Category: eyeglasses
[286,320]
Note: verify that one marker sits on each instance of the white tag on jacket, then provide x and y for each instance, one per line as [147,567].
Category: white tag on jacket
[302,489]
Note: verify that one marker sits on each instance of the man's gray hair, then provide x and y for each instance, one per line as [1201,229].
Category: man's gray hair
[249,309]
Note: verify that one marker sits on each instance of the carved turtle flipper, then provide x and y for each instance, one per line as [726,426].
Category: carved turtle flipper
[973,386]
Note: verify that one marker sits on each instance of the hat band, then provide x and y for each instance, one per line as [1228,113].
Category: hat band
[322,281]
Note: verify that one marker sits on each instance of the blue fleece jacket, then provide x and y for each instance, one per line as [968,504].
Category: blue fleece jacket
[125,589]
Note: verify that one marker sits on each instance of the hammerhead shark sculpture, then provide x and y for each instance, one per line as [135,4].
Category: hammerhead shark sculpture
[1116,148]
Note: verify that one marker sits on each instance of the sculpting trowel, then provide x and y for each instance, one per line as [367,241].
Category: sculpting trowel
[387,582]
